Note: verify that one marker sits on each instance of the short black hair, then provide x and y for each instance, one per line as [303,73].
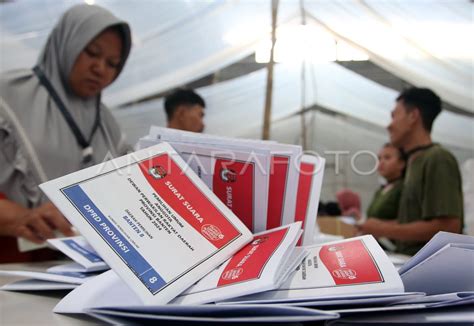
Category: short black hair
[400,152]
[181,96]
[425,100]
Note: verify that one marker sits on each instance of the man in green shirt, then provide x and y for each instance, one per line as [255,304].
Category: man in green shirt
[431,200]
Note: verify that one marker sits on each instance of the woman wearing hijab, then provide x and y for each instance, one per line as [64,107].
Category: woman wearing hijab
[52,121]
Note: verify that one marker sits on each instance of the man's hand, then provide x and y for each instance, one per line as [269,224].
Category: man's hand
[36,224]
[39,224]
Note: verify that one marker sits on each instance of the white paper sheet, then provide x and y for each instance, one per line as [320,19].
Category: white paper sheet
[74,268]
[440,240]
[310,181]
[449,269]
[211,314]
[73,278]
[37,285]
[107,289]
[359,301]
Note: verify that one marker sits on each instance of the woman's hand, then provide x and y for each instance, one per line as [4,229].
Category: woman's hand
[36,224]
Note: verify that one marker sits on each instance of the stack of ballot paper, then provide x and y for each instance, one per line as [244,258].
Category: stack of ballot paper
[444,265]
[84,256]
[41,281]
[348,274]
[151,219]
[266,184]
[85,265]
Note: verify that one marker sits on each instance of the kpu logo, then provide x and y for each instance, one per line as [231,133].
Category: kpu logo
[228,175]
[259,241]
[158,172]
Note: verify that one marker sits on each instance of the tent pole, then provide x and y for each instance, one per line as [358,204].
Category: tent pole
[268,94]
[303,85]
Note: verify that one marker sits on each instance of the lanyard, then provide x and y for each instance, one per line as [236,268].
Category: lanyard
[87,149]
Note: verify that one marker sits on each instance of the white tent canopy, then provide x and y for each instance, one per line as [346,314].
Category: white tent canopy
[423,42]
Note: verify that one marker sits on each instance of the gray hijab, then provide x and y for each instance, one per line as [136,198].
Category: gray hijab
[36,144]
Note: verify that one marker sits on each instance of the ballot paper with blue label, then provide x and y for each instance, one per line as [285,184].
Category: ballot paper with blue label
[152,220]
[80,252]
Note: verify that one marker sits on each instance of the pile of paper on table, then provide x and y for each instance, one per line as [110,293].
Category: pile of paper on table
[161,230]
[85,265]
[172,221]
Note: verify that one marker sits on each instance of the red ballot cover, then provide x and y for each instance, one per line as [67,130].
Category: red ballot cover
[350,263]
[233,184]
[181,192]
[276,190]
[250,261]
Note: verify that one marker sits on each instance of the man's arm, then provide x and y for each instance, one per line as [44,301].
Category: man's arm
[415,231]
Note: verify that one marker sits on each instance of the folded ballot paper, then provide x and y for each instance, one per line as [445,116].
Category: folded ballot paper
[84,256]
[351,267]
[151,219]
[86,264]
[261,265]
[39,281]
[444,265]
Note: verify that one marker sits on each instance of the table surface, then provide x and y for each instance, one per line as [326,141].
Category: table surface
[34,307]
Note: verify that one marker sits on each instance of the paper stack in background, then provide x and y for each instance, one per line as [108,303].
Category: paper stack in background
[266,184]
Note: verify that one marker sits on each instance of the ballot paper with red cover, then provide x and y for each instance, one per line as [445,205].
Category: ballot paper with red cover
[259,266]
[307,199]
[336,269]
[153,221]
[239,177]
[283,173]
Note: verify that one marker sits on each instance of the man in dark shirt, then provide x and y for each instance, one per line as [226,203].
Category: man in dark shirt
[432,199]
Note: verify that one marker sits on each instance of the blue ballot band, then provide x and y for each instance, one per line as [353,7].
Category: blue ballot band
[89,255]
[114,238]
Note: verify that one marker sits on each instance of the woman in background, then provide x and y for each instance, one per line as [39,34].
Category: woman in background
[52,120]
[384,204]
